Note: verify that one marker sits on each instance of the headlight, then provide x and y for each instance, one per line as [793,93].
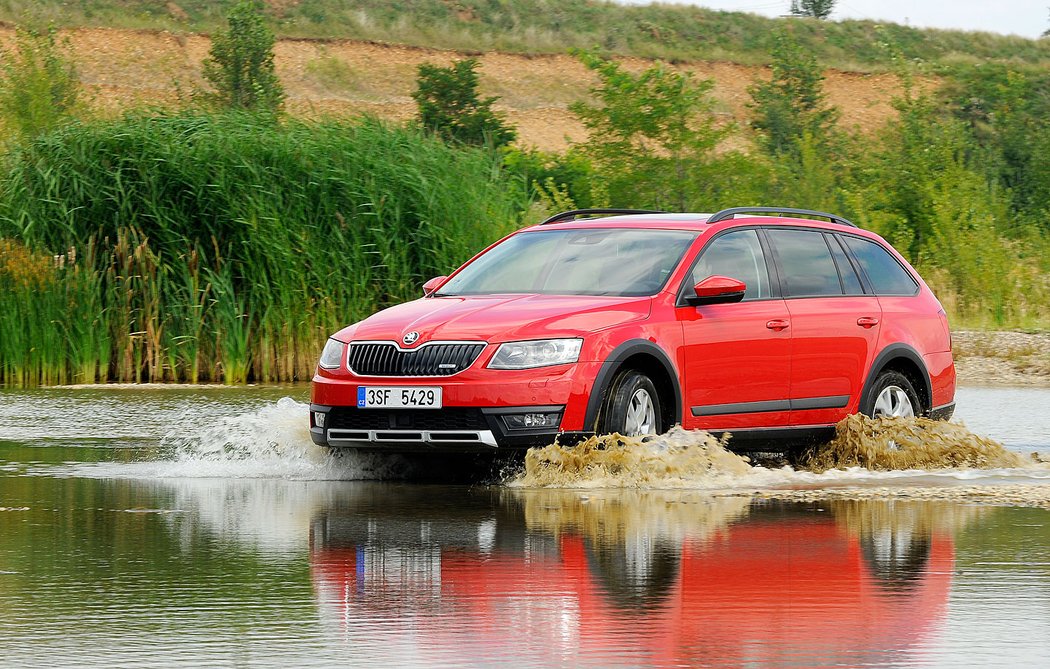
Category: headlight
[332,355]
[538,353]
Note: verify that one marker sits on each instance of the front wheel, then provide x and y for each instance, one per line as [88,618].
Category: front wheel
[893,396]
[633,406]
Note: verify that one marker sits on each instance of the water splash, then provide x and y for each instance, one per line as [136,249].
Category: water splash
[679,458]
[277,431]
[270,442]
[908,443]
[865,452]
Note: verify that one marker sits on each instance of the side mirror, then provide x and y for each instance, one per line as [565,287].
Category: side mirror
[717,290]
[430,286]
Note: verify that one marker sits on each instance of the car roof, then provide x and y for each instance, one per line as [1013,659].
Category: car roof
[685,221]
[678,221]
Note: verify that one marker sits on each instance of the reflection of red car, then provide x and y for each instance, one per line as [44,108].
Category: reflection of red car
[768,326]
[785,585]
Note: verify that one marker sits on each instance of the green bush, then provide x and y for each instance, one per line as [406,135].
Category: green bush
[240,64]
[791,105]
[926,184]
[571,175]
[39,88]
[817,9]
[450,106]
[651,134]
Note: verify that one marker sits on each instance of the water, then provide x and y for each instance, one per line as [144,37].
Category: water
[1015,417]
[202,528]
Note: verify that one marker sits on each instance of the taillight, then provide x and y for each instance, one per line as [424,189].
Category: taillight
[947,329]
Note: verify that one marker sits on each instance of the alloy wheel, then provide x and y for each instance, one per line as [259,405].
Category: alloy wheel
[641,415]
[893,402]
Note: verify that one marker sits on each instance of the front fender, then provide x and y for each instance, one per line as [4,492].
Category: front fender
[615,361]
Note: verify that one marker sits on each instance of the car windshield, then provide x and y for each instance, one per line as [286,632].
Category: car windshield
[613,261]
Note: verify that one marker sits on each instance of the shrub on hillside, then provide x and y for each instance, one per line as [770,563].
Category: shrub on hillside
[39,88]
[651,134]
[817,9]
[449,105]
[791,105]
[240,64]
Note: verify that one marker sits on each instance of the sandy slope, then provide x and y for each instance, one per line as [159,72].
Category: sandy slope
[125,68]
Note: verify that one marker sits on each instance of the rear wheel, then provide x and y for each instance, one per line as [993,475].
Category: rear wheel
[632,407]
[893,396]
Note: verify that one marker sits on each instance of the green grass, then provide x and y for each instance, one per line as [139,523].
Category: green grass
[671,32]
[225,248]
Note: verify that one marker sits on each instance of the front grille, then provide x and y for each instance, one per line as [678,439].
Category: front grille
[386,359]
[449,418]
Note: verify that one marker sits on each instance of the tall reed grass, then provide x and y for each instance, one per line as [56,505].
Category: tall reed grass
[225,248]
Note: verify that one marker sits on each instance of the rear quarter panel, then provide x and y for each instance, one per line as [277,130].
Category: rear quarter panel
[917,322]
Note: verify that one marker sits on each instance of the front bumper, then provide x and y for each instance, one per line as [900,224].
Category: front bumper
[476,403]
[479,429]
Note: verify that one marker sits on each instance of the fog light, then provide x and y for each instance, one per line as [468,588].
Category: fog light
[319,417]
[526,421]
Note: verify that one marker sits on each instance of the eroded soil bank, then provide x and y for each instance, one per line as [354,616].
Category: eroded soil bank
[1002,358]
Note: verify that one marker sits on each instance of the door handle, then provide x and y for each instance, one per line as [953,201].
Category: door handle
[777,324]
[867,322]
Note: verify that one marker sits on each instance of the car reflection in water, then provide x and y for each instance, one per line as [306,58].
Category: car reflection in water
[618,577]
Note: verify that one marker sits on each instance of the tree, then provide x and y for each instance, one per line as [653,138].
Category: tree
[240,64]
[652,135]
[817,9]
[449,105]
[791,105]
[39,88]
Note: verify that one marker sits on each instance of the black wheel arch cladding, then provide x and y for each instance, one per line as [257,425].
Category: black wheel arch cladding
[912,361]
[653,357]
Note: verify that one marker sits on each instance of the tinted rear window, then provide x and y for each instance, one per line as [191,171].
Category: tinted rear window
[850,281]
[887,276]
[806,266]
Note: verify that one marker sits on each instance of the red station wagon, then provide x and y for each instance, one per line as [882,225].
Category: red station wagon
[764,322]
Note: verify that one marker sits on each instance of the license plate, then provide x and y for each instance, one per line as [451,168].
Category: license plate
[398,397]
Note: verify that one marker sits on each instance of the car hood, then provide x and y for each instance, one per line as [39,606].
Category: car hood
[498,318]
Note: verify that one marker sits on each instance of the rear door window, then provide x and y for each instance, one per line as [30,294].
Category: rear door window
[807,268]
[847,273]
[886,275]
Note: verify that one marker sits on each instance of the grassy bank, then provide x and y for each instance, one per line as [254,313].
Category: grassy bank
[224,248]
[544,26]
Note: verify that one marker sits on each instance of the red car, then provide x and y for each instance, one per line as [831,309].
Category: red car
[764,322]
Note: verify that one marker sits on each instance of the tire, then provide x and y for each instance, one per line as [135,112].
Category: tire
[892,395]
[637,578]
[632,407]
[896,560]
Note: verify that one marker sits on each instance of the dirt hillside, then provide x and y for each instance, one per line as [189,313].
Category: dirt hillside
[127,68]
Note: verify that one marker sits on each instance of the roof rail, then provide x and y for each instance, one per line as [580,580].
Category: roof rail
[572,215]
[804,213]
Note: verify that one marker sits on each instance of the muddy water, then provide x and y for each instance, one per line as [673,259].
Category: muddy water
[202,528]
